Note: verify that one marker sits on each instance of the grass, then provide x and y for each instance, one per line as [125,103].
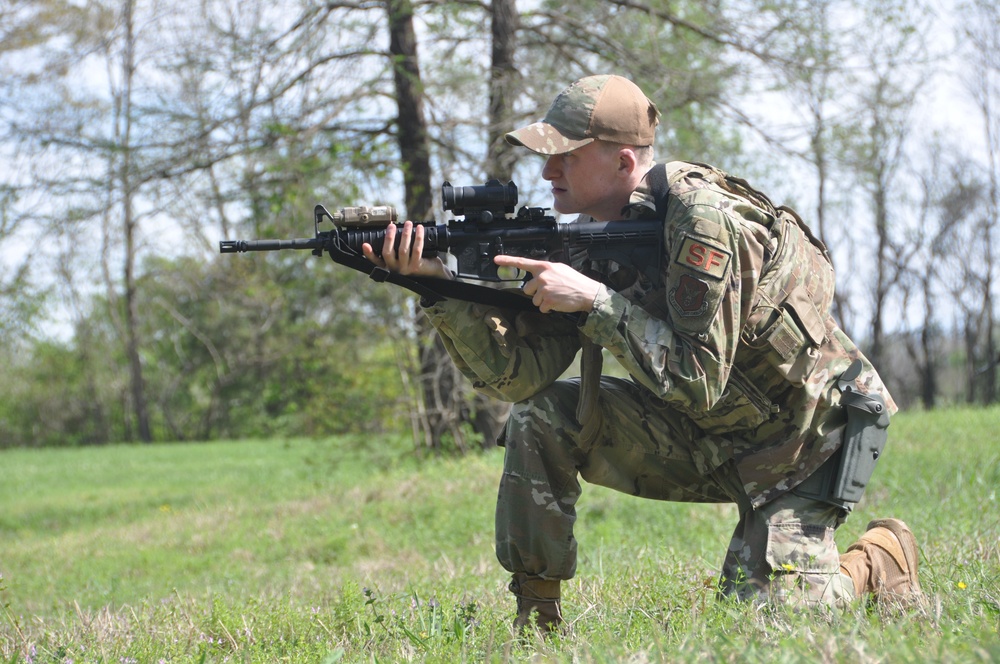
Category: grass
[346,550]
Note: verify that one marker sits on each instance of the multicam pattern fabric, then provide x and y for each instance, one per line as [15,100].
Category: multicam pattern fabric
[603,107]
[571,113]
[782,552]
[733,360]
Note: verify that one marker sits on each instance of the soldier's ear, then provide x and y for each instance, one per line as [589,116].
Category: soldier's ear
[628,162]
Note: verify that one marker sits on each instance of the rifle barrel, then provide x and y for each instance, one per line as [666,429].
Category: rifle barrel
[241,246]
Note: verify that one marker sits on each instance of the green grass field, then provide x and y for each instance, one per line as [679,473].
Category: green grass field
[346,550]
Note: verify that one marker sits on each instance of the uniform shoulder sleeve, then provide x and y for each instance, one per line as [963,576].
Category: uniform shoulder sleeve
[700,254]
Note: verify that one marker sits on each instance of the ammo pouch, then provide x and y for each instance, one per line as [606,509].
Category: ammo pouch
[841,481]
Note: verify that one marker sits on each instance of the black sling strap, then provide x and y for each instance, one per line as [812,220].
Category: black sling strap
[659,187]
[431,289]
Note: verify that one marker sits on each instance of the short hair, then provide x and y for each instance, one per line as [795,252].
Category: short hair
[643,153]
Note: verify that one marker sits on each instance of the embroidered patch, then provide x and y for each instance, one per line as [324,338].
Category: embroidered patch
[688,298]
[696,254]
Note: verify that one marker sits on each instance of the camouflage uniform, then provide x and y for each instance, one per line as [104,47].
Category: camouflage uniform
[733,357]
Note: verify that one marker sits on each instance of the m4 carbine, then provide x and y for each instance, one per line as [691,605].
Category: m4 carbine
[485,226]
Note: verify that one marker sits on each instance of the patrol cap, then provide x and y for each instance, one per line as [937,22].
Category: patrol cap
[605,107]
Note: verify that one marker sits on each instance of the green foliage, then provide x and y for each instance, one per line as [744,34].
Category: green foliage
[241,347]
[347,550]
[691,78]
[54,394]
[278,349]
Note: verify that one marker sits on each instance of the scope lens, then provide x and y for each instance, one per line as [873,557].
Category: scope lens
[490,196]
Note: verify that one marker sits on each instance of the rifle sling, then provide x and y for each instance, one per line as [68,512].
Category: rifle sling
[432,289]
[589,415]
[659,187]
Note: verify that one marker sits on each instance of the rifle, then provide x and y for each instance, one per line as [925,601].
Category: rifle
[485,226]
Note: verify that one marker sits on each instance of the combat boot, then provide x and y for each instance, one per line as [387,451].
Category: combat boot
[537,603]
[884,563]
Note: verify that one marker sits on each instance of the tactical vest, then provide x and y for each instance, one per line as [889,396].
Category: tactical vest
[789,316]
[788,319]
[794,295]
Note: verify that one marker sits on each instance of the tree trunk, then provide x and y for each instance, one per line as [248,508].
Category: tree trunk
[881,287]
[928,371]
[137,386]
[970,334]
[504,80]
[412,125]
[440,381]
[989,230]
[489,415]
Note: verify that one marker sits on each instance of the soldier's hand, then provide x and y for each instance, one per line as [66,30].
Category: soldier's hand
[408,258]
[554,286]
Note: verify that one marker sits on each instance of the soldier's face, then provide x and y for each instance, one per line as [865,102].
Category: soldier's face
[587,181]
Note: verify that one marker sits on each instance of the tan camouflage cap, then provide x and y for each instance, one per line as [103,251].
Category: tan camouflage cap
[605,107]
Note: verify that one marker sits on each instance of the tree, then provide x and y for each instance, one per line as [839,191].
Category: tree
[876,153]
[75,131]
[944,207]
[983,41]
[963,207]
[147,140]
[809,55]
[121,173]
[438,376]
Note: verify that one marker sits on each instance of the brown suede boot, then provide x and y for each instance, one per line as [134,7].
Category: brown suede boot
[537,603]
[884,563]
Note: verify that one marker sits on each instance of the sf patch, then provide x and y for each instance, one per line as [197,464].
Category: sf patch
[689,296]
[706,258]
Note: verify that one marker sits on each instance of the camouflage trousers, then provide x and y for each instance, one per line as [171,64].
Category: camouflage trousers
[781,552]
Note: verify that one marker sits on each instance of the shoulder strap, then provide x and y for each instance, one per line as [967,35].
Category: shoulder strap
[431,289]
[659,187]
